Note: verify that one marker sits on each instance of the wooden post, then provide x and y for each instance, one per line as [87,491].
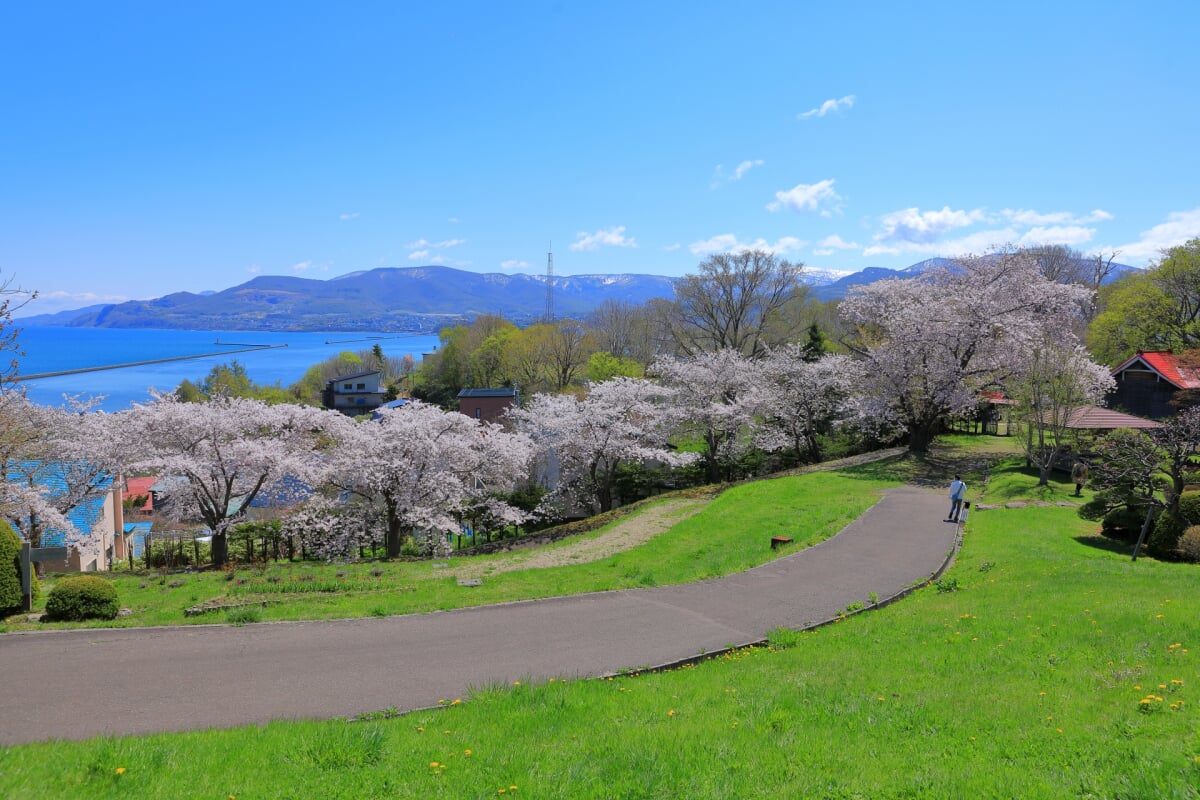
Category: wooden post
[29,554]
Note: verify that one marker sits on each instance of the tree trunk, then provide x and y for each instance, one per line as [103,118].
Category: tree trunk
[919,437]
[1043,474]
[395,535]
[220,549]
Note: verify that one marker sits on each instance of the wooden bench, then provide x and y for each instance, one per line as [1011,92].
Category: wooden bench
[778,540]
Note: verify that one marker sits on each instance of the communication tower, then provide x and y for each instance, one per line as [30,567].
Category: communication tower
[550,284]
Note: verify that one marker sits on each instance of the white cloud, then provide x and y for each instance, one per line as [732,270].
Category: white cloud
[911,230]
[431,251]
[828,106]
[254,269]
[613,237]
[513,263]
[1028,217]
[454,220]
[1178,229]
[306,266]
[1057,234]
[745,167]
[913,226]
[672,247]
[831,244]
[729,243]
[348,217]
[53,302]
[739,172]
[805,196]
[836,242]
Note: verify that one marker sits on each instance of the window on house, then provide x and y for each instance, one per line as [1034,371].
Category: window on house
[362,386]
[348,386]
[477,413]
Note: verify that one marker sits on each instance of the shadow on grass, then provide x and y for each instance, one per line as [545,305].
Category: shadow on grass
[1120,547]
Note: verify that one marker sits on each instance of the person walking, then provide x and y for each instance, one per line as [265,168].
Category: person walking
[958,491]
[1079,474]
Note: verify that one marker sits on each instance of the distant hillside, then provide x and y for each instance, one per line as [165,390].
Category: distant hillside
[417,298]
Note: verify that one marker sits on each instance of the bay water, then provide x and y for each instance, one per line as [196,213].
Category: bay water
[55,349]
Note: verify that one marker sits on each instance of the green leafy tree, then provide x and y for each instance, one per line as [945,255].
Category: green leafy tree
[1157,309]
[604,366]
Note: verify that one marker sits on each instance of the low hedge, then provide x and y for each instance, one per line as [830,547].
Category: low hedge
[82,597]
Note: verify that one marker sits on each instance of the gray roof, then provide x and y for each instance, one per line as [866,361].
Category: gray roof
[354,375]
[503,391]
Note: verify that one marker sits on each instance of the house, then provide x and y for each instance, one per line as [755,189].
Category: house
[98,515]
[355,393]
[137,497]
[1157,383]
[487,405]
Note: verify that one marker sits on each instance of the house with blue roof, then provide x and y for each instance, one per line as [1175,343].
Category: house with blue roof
[97,515]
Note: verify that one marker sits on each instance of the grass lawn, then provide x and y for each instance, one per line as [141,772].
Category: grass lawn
[1046,664]
[731,534]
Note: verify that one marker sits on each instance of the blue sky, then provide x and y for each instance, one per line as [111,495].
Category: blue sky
[154,147]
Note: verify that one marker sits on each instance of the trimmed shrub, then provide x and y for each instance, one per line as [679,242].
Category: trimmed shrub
[10,570]
[1123,523]
[82,597]
[1189,507]
[1164,538]
[1189,544]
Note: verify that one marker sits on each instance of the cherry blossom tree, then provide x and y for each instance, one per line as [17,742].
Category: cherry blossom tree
[802,398]
[930,343]
[619,421]
[715,398]
[217,457]
[58,460]
[333,530]
[1054,381]
[421,466]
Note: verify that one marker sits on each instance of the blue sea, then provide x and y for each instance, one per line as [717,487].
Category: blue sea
[53,349]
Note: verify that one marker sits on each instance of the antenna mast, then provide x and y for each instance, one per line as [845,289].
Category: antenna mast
[550,284]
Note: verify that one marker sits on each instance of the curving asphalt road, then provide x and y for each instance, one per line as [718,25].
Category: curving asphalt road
[78,684]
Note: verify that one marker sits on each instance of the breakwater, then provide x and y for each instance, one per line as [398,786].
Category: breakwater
[82,370]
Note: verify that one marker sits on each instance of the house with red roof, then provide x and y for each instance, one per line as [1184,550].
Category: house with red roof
[1157,383]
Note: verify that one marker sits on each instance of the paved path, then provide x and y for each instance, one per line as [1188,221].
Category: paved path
[142,680]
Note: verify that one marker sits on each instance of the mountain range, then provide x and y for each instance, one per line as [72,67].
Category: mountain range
[410,299]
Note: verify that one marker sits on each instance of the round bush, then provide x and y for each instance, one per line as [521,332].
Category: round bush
[10,570]
[1164,538]
[1189,507]
[1123,523]
[1189,544]
[82,597]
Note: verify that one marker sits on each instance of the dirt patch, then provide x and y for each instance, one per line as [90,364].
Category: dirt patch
[624,535]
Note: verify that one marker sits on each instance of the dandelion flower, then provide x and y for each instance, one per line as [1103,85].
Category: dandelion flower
[120,770]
